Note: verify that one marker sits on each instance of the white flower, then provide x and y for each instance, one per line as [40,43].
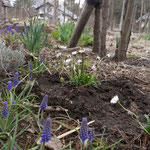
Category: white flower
[98,58]
[108,55]
[68,60]
[59,54]
[82,51]
[74,53]
[74,68]
[79,61]
[68,56]
[114,100]
[94,67]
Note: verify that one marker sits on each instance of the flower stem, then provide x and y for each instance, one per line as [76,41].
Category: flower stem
[136,117]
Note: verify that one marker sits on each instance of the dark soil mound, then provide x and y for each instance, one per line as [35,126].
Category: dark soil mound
[94,103]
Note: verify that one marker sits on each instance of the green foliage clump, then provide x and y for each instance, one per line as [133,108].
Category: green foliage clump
[86,39]
[76,70]
[80,79]
[148,37]
[148,121]
[64,32]
[34,38]
[10,59]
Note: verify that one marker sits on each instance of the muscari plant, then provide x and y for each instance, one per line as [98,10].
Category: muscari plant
[34,38]
[12,115]
[83,133]
[11,36]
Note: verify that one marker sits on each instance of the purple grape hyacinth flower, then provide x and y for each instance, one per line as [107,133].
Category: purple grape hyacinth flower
[91,135]
[16,28]
[5,31]
[15,81]
[14,148]
[46,132]
[42,58]
[13,32]
[8,28]
[13,102]
[4,109]
[9,85]
[83,134]
[44,102]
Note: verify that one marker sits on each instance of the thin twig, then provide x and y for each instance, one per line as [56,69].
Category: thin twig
[47,108]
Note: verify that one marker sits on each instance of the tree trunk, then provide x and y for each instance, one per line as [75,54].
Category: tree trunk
[120,54]
[121,19]
[105,9]
[142,9]
[97,42]
[83,19]
[146,23]
[44,9]
[1,10]
[56,3]
[134,17]
[111,14]
[64,11]
[79,8]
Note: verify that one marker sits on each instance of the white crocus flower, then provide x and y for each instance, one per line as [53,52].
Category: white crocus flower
[82,51]
[74,53]
[98,58]
[108,55]
[79,61]
[114,100]
[68,60]
[59,54]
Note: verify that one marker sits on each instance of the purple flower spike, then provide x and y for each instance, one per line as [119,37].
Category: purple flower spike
[9,85]
[91,135]
[30,73]
[8,28]
[30,66]
[13,102]
[46,132]
[13,32]
[5,31]
[15,81]
[14,148]
[42,58]
[83,134]
[30,76]
[44,102]
[4,110]
[16,28]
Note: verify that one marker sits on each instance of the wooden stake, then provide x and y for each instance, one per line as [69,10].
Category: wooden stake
[85,15]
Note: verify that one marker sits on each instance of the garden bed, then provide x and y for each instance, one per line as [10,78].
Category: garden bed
[94,103]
